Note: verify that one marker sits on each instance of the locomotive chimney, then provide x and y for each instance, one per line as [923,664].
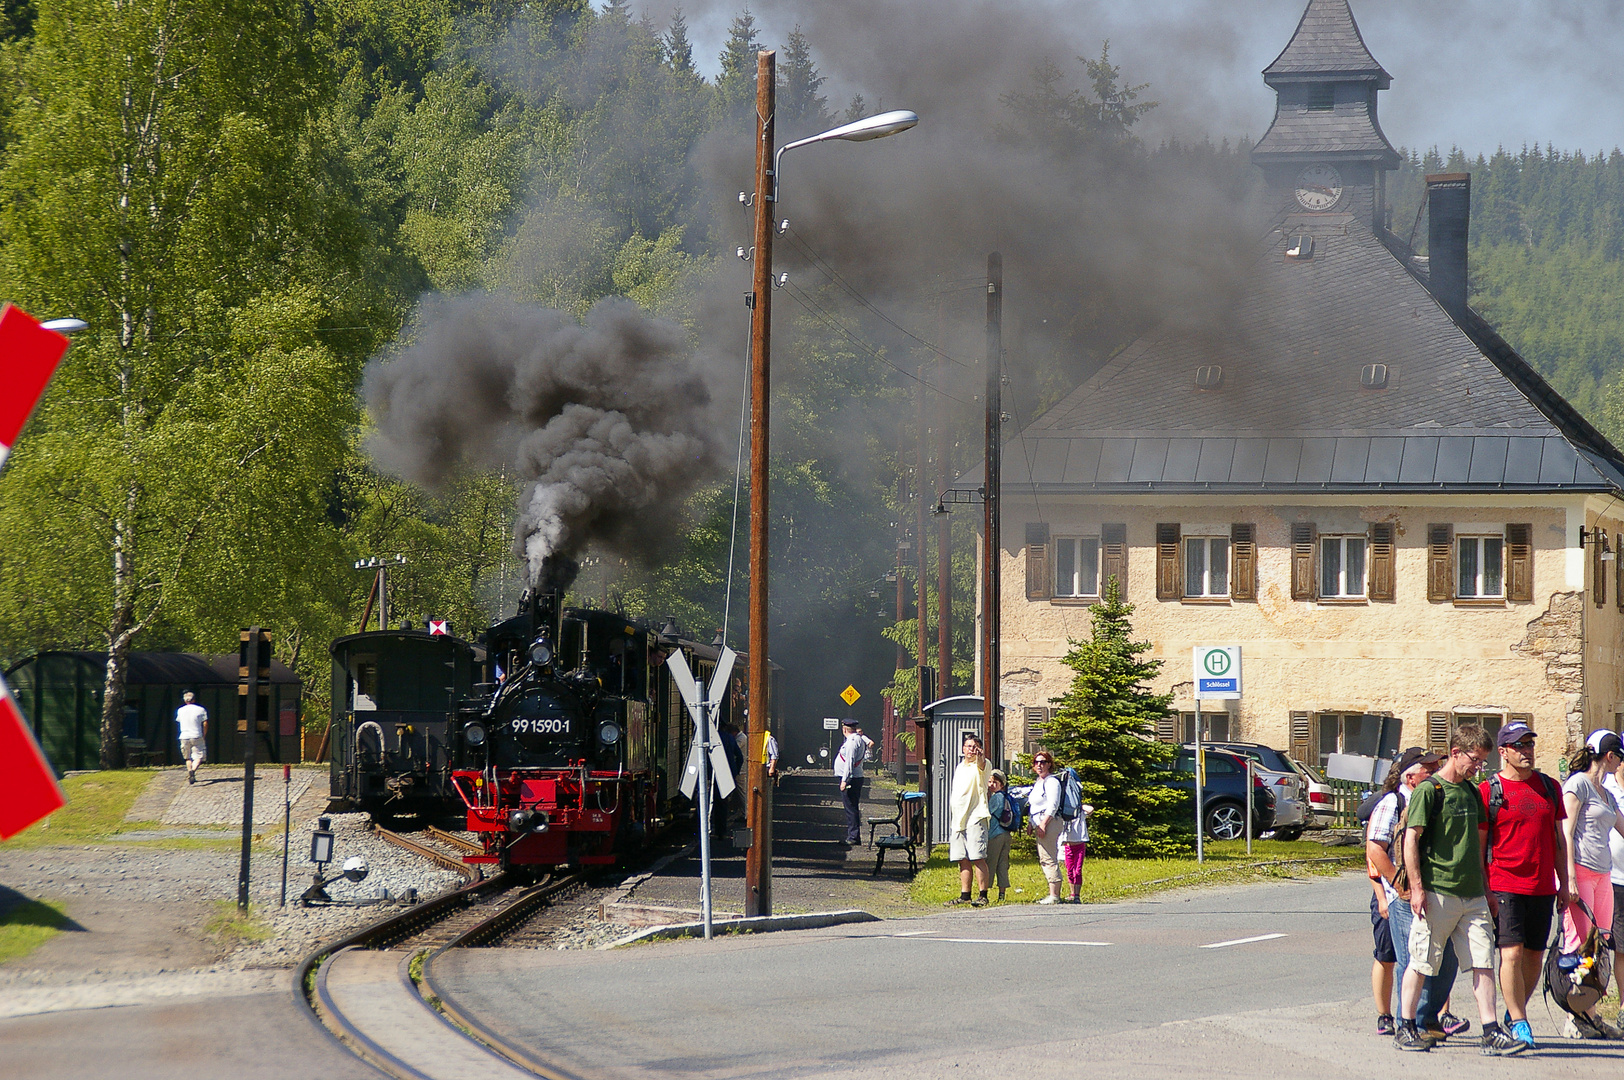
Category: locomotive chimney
[1449,204]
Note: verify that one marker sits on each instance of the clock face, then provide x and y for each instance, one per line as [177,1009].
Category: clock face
[1319,187]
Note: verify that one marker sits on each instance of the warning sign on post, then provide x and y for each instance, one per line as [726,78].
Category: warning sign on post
[1218,671]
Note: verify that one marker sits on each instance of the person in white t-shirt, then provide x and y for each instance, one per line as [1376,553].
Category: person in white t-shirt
[193,720]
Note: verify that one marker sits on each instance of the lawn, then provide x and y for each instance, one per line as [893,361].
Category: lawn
[97,803]
[27,926]
[1116,879]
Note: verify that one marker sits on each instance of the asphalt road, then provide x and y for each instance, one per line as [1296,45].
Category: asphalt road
[1224,982]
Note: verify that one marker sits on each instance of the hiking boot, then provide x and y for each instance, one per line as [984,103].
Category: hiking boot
[1454,1025]
[1384,1025]
[1607,1029]
[1497,1043]
[1406,1038]
[1523,1033]
[1583,1028]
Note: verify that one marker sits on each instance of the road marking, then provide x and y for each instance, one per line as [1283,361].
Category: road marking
[1242,941]
[1005,941]
[915,933]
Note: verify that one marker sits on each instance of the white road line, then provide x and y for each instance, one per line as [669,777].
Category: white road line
[1242,941]
[1005,941]
[915,933]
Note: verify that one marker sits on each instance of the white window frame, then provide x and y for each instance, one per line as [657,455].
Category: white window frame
[1344,591]
[1202,588]
[1479,542]
[1083,588]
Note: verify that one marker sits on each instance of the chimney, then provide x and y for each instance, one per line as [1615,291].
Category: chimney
[1449,205]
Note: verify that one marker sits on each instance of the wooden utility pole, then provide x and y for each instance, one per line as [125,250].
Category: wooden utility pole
[758,873]
[992,716]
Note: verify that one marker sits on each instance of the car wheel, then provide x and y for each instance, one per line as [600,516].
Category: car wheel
[1289,833]
[1226,821]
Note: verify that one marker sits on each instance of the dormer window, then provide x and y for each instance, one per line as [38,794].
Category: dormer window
[1300,246]
[1209,377]
[1321,98]
[1373,376]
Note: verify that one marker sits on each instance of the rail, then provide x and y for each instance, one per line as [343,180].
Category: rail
[439,858]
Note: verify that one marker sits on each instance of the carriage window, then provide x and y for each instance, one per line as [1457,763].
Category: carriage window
[364,686]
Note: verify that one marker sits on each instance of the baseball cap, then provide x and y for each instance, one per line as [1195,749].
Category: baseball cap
[1605,742]
[1416,755]
[1513,732]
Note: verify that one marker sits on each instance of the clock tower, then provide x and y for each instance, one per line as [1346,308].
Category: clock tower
[1325,159]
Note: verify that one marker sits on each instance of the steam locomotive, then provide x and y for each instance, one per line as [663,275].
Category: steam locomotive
[558,736]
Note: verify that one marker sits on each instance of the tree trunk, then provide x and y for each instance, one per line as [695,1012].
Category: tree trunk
[120,629]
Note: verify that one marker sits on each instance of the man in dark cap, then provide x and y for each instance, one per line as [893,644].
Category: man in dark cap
[849,768]
[1528,866]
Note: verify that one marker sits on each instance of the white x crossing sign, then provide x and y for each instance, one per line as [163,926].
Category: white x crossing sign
[704,714]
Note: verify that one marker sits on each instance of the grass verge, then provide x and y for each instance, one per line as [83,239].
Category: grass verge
[1116,879]
[230,927]
[29,925]
[97,803]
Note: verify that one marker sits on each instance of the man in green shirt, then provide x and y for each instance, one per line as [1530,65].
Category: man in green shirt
[1443,853]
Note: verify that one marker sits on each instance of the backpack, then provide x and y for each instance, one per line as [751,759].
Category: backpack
[1577,981]
[1014,809]
[1071,795]
[1497,799]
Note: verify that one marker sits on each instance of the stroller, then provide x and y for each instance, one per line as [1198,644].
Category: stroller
[1576,981]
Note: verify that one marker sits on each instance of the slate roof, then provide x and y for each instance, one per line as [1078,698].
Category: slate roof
[1327,42]
[1461,411]
[1351,132]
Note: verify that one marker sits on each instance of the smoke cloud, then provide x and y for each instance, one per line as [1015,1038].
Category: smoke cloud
[603,421]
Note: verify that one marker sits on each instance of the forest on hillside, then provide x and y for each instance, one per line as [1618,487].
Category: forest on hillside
[256,207]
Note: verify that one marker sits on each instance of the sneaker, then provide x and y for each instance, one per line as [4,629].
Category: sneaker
[1050,899]
[1432,1034]
[1570,1030]
[1497,1043]
[1406,1038]
[191,777]
[1000,895]
[1384,1025]
[1454,1025]
[1523,1033]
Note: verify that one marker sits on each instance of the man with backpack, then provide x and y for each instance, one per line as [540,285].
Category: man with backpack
[1443,856]
[1528,867]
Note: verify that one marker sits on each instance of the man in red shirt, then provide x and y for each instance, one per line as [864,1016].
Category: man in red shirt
[1528,867]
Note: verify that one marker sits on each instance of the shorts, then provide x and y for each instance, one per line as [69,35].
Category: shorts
[1381,934]
[1463,920]
[970,843]
[1525,920]
[193,750]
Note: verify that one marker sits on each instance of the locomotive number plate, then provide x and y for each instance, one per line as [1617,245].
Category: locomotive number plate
[549,725]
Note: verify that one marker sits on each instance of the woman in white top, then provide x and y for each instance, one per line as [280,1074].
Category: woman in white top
[1592,818]
[1044,805]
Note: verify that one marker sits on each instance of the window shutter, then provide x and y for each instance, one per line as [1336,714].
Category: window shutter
[1114,556]
[1243,578]
[1167,728]
[1521,718]
[1302,746]
[1519,562]
[1618,570]
[1302,561]
[1440,562]
[1598,574]
[1036,718]
[1382,569]
[1039,578]
[1438,732]
[1168,583]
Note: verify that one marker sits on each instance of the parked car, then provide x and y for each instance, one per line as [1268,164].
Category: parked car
[1290,792]
[1321,798]
[1223,809]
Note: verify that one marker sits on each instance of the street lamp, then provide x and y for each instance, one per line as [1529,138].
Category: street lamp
[758,807]
[68,327]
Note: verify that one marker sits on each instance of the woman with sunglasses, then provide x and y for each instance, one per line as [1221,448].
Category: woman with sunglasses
[1592,816]
[1044,806]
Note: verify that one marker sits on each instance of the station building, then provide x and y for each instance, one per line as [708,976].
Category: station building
[1356,479]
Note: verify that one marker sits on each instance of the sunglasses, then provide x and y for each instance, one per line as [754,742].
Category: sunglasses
[1522,744]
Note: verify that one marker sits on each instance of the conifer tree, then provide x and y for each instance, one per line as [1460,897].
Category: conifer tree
[679,50]
[736,85]
[801,109]
[1103,729]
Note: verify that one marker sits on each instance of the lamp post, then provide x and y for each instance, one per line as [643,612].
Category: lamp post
[758,805]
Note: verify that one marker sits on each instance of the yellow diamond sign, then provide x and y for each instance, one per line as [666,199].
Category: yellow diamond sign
[850,695]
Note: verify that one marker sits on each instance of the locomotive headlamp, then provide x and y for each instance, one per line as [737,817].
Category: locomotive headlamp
[608,733]
[518,820]
[475,734]
[528,821]
[539,652]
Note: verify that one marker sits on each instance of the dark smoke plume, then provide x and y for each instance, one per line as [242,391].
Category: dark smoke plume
[604,421]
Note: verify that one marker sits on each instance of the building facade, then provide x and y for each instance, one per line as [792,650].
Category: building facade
[1353,477]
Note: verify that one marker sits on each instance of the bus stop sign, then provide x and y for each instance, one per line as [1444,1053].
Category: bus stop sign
[1218,672]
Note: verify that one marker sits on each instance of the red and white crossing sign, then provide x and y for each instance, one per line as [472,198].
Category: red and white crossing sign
[439,627]
[29,354]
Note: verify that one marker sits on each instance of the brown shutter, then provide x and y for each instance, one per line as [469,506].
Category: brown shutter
[1039,577]
[1114,557]
[1167,728]
[1519,562]
[1243,576]
[1302,747]
[1382,569]
[1440,562]
[1302,561]
[1169,583]
[1438,732]
[1598,573]
[1036,718]
[1521,718]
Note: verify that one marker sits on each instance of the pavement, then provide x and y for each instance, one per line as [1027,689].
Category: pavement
[1216,983]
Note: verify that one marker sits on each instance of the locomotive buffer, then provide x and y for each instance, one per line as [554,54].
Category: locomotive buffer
[705,757]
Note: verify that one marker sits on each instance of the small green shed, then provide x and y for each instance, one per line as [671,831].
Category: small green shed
[61,693]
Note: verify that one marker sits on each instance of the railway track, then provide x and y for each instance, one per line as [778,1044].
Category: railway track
[448,855]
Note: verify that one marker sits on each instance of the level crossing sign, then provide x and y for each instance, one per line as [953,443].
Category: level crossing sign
[704,714]
[1218,672]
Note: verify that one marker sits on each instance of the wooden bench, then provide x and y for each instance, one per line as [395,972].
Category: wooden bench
[909,826]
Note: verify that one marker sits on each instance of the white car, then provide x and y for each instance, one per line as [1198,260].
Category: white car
[1321,796]
[1285,782]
